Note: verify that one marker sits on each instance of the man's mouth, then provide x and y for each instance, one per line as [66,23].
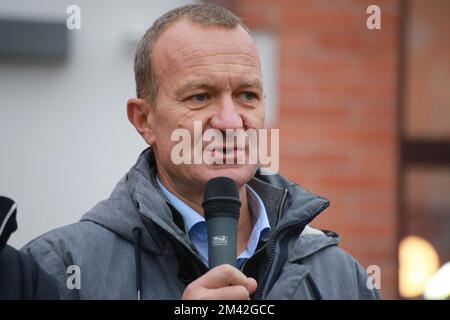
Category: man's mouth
[226,153]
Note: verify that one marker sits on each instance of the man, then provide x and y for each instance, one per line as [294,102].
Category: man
[148,240]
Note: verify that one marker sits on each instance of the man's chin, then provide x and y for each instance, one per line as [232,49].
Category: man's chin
[239,173]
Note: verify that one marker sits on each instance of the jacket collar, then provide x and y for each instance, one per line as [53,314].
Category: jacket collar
[300,204]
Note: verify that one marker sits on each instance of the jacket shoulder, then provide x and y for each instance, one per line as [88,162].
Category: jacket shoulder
[333,265]
[54,251]
[56,240]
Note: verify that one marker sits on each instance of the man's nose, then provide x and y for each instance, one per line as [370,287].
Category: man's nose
[226,115]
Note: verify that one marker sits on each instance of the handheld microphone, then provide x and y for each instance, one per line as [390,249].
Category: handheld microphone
[8,223]
[221,206]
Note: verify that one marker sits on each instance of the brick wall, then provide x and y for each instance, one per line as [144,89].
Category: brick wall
[337,116]
[427,96]
[427,118]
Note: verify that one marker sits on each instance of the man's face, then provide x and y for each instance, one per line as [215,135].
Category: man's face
[207,74]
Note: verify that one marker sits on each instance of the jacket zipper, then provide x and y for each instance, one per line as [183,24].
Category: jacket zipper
[292,225]
[280,213]
[257,295]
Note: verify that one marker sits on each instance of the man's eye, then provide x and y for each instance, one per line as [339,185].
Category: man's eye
[248,96]
[202,97]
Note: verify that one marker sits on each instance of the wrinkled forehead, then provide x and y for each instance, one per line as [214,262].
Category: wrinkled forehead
[188,45]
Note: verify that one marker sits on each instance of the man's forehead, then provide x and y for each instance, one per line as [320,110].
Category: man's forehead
[185,31]
[187,43]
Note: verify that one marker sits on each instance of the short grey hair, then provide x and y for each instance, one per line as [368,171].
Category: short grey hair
[206,14]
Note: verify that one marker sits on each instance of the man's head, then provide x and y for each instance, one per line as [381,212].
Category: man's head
[196,63]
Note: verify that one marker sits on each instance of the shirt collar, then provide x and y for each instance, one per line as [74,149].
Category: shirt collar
[190,216]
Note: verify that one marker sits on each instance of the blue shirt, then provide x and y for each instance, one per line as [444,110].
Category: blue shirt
[196,226]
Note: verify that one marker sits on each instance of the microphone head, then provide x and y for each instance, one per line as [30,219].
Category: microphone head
[221,187]
[221,197]
[8,222]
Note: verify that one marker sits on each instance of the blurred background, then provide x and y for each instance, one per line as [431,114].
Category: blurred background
[364,118]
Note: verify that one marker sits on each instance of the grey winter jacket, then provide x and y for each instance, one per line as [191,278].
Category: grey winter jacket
[132,245]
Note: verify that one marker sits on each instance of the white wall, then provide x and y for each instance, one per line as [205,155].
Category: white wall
[64,136]
[65,139]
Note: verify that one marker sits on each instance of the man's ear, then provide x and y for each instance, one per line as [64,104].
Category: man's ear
[140,114]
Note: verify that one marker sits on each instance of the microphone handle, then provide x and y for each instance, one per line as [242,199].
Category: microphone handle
[222,235]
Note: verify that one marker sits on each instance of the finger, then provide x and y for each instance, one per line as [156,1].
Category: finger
[223,276]
[228,293]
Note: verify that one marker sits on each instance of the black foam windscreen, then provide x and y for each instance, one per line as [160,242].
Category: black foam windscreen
[221,187]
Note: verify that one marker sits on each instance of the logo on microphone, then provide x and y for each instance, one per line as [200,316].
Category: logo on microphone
[220,240]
